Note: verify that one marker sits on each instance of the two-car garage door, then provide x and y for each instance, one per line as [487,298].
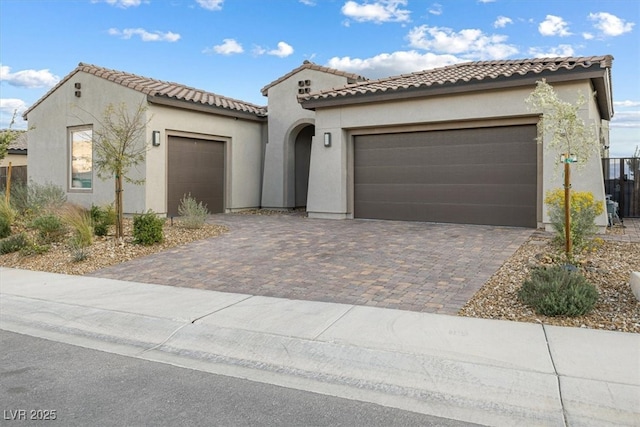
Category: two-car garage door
[472,176]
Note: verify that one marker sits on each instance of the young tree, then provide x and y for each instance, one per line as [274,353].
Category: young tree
[7,136]
[120,144]
[565,132]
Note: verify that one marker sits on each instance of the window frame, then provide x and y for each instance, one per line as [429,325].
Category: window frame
[70,160]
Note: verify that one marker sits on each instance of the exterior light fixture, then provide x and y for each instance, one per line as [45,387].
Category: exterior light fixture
[155,139]
[327,139]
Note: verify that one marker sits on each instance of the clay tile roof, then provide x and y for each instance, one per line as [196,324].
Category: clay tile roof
[308,65]
[465,72]
[20,142]
[159,88]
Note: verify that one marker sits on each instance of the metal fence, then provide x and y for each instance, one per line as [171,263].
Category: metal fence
[622,182]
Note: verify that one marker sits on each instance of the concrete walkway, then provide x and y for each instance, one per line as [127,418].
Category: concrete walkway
[476,370]
[415,266]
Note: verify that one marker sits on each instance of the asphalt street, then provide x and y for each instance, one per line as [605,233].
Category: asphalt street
[44,382]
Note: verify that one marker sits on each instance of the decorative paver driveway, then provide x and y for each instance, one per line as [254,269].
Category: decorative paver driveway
[405,265]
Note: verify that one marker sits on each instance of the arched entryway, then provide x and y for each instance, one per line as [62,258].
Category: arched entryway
[302,159]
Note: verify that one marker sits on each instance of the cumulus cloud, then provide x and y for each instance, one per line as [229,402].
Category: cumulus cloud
[626,119]
[551,52]
[587,36]
[626,103]
[471,43]
[502,21]
[308,2]
[610,25]
[228,47]
[390,64]
[210,4]
[436,9]
[7,107]
[378,12]
[31,79]
[145,36]
[554,26]
[121,3]
[282,51]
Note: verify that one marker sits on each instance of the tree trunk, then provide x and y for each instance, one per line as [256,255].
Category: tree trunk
[567,207]
[119,215]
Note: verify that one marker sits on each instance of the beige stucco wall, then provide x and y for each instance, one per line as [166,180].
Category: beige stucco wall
[243,153]
[331,182]
[48,138]
[14,159]
[286,119]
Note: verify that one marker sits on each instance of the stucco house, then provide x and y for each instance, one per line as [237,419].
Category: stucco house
[451,144]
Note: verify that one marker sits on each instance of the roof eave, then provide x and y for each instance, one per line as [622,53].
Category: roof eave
[205,108]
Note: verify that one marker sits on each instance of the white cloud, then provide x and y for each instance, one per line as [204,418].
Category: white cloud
[626,119]
[379,11]
[282,51]
[436,9]
[471,43]
[7,108]
[626,103]
[121,3]
[554,26]
[560,50]
[28,78]
[587,36]
[502,21]
[308,2]
[145,36]
[610,25]
[228,47]
[486,1]
[210,4]
[390,64]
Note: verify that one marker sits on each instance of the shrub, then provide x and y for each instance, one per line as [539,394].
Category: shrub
[583,211]
[79,219]
[79,250]
[6,211]
[102,218]
[147,228]
[50,227]
[5,227]
[13,243]
[556,291]
[34,248]
[193,213]
[34,198]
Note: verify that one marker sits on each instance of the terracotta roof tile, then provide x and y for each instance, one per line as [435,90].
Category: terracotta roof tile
[159,88]
[464,72]
[20,141]
[308,65]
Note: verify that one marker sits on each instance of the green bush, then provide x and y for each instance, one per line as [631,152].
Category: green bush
[556,291]
[5,227]
[6,211]
[13,243]
[50,227]
[103,218]
[79,219]
[34,248]
[193,213]
[147,228]
[35,198]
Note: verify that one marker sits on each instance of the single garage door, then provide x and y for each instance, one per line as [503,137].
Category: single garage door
[195,166]
[468,176]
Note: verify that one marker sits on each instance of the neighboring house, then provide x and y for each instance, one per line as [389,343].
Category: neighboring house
[17,157]
[452,144]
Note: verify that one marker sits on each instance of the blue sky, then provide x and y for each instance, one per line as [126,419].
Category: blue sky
[235,47]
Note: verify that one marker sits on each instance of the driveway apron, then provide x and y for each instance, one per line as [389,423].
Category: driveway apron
[415,266]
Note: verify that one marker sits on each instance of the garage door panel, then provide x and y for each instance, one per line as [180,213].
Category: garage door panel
[195,167]
[476,176]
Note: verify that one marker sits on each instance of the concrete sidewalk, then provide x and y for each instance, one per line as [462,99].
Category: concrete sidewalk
[483,371]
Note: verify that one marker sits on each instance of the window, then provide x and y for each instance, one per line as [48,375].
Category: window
[81,177]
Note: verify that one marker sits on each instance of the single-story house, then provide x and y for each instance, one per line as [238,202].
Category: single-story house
[16,157]
[450,144]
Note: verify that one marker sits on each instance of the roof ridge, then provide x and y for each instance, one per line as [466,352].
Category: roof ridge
[308,65]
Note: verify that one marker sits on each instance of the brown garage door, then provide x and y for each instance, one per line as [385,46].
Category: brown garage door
[195,166]
[469,176]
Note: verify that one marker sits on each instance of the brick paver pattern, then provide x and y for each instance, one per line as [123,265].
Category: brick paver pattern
[413,266]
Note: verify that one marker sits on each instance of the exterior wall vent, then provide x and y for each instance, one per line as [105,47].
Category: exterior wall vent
[78,94]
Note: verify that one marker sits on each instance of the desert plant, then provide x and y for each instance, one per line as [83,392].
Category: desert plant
[6,211]
[583,211]
[557,291]
[147,228]
[79,249]
[34,198]
[5,227]
[34,248]
[193,214]
[103,218]
[79,220]
[13,243]
[50,227]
